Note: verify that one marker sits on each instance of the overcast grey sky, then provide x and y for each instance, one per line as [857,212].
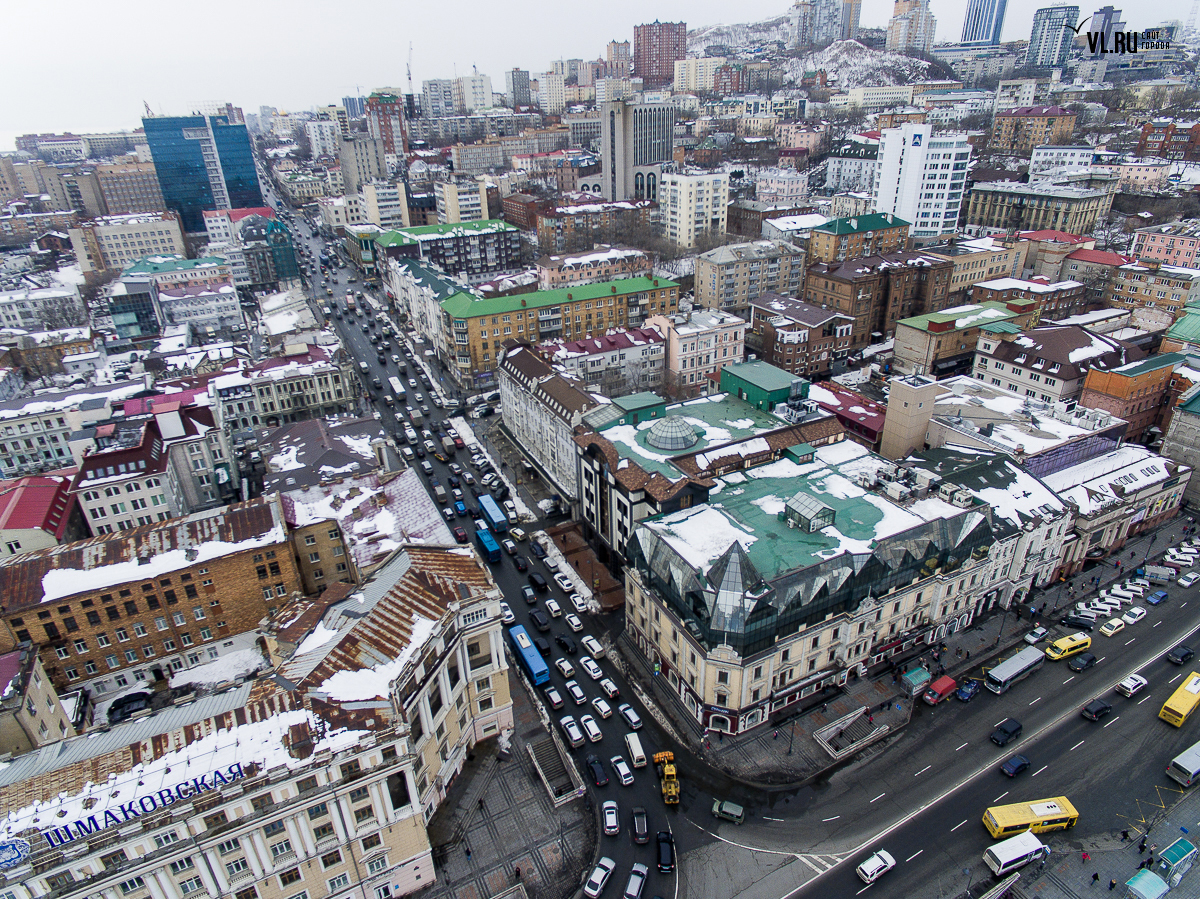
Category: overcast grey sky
[89,67]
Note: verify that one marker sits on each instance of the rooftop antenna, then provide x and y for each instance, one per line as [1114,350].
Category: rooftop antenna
[410,83]
[149,111]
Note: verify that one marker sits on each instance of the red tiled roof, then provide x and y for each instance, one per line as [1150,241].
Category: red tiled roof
[1103,257]
[35,503]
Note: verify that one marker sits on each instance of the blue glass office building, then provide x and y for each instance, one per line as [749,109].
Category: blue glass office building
[203,162]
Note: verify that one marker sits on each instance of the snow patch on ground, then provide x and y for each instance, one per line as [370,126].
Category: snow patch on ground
[231,666]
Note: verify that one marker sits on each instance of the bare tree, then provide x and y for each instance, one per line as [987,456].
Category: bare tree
[57,313]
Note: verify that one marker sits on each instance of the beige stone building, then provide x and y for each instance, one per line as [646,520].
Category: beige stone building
[110,244]
[31,714]
[729,278]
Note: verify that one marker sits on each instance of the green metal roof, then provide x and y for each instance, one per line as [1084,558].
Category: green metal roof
[404,236]
[857,224]
[1152,363]
[157,265]
[972,315]
[644,400]
[466,306]
[1187,328]
[760,374]
[1001,328]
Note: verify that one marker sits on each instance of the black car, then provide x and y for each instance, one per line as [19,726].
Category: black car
[543,645]
[1082,662]
[566,643]
[126,707]
[1007,731]
[1180,654]
[538,582]
[501,492]
[1079,623]
[597,771]
[539,619]
[536,549]
[1015,765]
[666,852]
[1096,709]
[530,594]
[521,562]
[641,826]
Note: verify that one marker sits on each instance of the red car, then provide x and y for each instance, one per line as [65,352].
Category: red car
[460,535]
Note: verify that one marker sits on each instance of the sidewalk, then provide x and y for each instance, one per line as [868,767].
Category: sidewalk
[788,752]
[498,812]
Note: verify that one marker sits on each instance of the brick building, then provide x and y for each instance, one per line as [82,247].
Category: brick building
[860,235]
[878,291]
[568,229]
[1136,392]
[143,603]
[746,217]
[1154,285]
[656,48]
[1021,129]
[1168,139]
[796,336]
[604,263]
[730,277]
[941,344]
[1058,300]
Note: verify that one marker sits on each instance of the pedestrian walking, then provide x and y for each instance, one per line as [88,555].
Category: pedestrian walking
[968,652]
[517,871]
[870,719]
[468,853]
[1095,877]
[1111,884]
[1142,846]
[825,705]
[775,736]
[1085,858]
[1153,846]
[1124,836]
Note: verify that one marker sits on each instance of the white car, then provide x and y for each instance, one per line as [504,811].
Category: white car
[565,668]
[553,608]
[609,688]
[1134,615]
[612,819]
[592,645]
[576,692]
[591,728]
[571,729]
[603,709]
[876,866]
[574,623]
[506,614]
[1188,579]
[1132,685]
[623,772]
[578,602]
[599,877]
[592,669]
[564,583]
[555,698]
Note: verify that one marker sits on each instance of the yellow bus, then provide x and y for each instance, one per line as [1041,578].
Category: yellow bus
[1038,816]
[1183,701]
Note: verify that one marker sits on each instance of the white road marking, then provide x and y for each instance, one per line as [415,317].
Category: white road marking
[923,770]
[765,818]
[914,855]
[880,796]
[1069,679]
[960,747]
[811,865]
[958,825]
[1175,678]
[1140,701]
[834,818]
[1001,796]
[1101,659]
[998,723]
[864,889]
[1036,700]
[1114,721]
[1182,604]
[1157,623]
[1127,642]
[1039,770]
[1076,746]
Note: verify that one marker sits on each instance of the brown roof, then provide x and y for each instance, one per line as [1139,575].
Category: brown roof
[1054,346]
[21,576]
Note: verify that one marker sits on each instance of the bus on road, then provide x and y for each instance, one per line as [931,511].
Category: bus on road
[1038,816]
[488,547]
[1008,672]
[397,388]
[1185,767]
[493,514]
[531,660]
[1183,701]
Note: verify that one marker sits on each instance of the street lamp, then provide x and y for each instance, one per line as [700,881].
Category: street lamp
[967,871]
[792,738]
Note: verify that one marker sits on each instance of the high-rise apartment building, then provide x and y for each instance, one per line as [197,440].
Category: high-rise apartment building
[130,187]
[385,121]
[362,160]
[203,162]
[635,140]
[801,14]
[324,137]
[912,27]
[516,88]
[1105,21]
[1051,36]
[984,22]
[920,177]
[656,48]
[552,92]
[835,20]
[473,93]
[618,61]
[697,74]
[693,205]
[356,107]
[463,200]
[437,98]
[335,114]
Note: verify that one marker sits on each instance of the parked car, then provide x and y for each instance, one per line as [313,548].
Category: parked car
[578,602]
[968,690]
[536,549]
[564,583]
[1134,615]
[506,613]
[666,852]
[554,697]
[609,688]
[1078,622]
[1036,635]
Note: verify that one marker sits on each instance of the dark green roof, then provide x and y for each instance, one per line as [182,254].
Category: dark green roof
[404,236]
[761,374]
[858,224]
[643,400]
[465,306]
[1152,363]
[157,264]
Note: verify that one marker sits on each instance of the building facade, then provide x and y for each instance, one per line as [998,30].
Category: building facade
[1175,243]
[656,48]
[636,138]
[698,345]
[1049,42]
[621,361]
[1021,129]
[1137,392]
[731,277]
[1152,285]
[796,336]
[920,177]
[693,206]
[1048,364]
[1006,205]
[856,236]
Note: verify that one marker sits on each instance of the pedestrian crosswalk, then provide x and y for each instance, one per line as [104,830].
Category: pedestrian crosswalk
[820,863]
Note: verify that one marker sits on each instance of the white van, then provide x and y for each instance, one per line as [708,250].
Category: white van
[1136,589]
[637,757]
[1015,853]
[1122,594]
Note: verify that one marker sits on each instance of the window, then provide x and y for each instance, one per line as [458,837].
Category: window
[366,813]
[323,832]
[318,811]
[184,864]
[166,838]
[271,829]
[132,886]
[339,883]
[290,876]
[229,846]
[237,866]
[191,885]
[371,842]
[283,847]
[309,783]
[329,859]
[375,865]
[359,794]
